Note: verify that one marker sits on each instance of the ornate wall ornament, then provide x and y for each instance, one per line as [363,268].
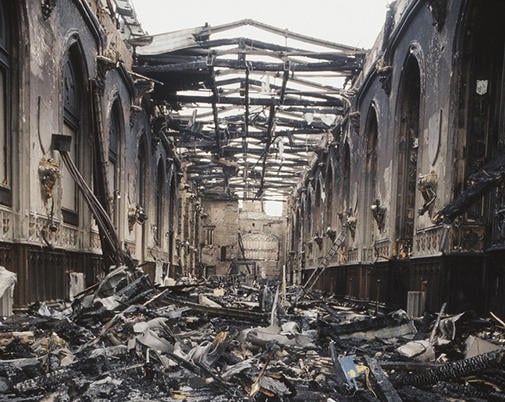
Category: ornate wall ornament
[6,222]
[403,248]
[349,221]
[47,8]
[382,249]
[427,242]
[438,10]
[427,185]
[331,233]
[352,255]
[379,214]
[385,74]
[49,173]
[318,240]
[136,214]
[104,65]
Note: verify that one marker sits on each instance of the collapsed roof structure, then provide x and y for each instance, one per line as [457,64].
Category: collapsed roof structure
[246,115]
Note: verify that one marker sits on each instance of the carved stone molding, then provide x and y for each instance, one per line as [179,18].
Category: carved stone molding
[427,185]
[94,240]
[385,74]
[379,214]
[367,254]
[382,249]
[6,228]
[427,242]
[352,255]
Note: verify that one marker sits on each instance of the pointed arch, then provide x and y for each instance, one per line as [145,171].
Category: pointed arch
[116,139]
[160,195]
[370,182]
[173,218]
[408,129]
[75,124]
[480,46]
[345,195]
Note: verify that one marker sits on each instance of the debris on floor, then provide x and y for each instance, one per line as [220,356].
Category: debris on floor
[127,339]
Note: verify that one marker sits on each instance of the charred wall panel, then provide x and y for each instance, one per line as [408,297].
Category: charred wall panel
[333,281]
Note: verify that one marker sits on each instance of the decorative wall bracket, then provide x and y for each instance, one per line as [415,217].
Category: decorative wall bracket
[318,240]
[385,73]
[379,214]
[136,214]
[331,233]
[427,185]
[47,8]
[349,221]
[49,173]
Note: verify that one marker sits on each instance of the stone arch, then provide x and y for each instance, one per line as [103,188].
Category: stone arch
[370,175]
[408,112]
[75,120]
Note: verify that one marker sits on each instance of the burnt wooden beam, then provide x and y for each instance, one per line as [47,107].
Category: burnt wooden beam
[253,101]
[348,65]
[283,32]
[270,128]
[248,44]
[384,387]
[215,115]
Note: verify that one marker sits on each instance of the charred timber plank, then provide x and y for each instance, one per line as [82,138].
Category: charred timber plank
[384,387]
[222,311]
[248,43]
[363,325]
[410,366]
[225,100]
[455,369]
[346,65]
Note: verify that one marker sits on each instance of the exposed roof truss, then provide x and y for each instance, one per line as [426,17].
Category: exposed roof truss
[247,114]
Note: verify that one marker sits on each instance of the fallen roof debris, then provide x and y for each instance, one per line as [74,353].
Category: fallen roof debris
[127,339]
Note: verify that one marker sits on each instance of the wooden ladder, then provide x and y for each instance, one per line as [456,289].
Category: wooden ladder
[316,274]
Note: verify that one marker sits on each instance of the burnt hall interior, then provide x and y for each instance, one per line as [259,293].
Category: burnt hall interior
[240,173]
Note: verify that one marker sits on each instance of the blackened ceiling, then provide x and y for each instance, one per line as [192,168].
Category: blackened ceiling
[247,114]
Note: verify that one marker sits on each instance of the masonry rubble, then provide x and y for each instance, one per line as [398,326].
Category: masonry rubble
[128,339]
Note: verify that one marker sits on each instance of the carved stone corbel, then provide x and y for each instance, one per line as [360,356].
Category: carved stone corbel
[427,185]
[136,214]
[318,240]
[47,8]
[438,10]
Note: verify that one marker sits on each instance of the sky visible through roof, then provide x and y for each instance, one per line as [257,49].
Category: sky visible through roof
[349,22]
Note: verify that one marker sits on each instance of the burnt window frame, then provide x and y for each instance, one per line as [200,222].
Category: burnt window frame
[116,132]
[73,115]
[160,192]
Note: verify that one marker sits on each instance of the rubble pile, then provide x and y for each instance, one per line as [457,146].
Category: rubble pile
[126,339]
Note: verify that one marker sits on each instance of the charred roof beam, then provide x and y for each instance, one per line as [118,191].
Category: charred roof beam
[348,65]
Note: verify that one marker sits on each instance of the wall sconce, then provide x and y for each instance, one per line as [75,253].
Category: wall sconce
[351,225]
[349,221]
[136,214]
[427,185]
[318,239]
[379,214]
[49,173]
[331,233]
